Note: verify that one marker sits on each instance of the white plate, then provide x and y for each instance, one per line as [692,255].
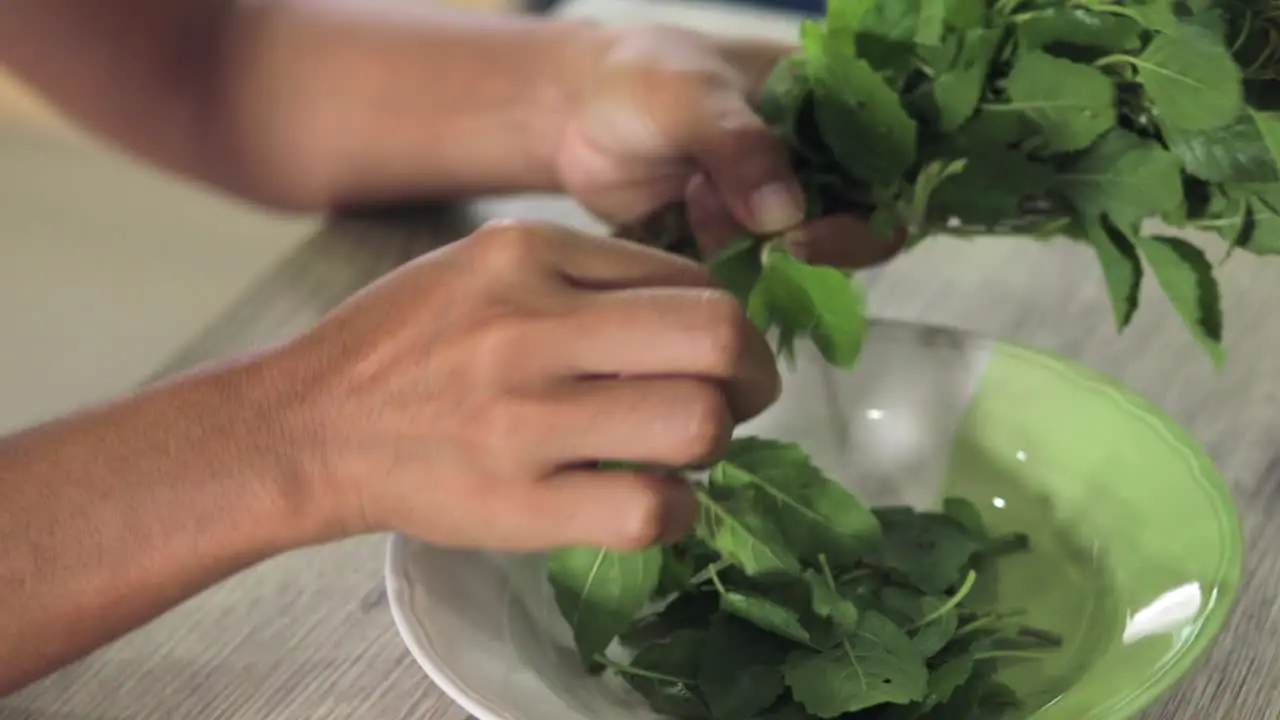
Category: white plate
[484,626]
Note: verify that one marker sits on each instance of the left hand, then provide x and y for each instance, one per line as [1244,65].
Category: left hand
[667,115]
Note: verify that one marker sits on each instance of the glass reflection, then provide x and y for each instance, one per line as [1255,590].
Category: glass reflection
[1169,613]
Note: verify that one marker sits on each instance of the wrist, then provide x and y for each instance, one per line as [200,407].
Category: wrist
[254,415]
[574,53]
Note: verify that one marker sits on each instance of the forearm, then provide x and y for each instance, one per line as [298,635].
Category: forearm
[312,103]
[133,71]
[111,517]
[402,99]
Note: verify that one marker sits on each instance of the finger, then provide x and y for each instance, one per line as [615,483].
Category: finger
[588,260]
[746,162]
[754,58]
[842,241]
[620,510]
[671,332]
[665,422]
[710,220]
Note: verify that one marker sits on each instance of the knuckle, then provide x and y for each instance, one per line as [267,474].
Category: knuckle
[703,426]
[688,89]
[666,80]
[506,245]
[732,116]
[676,99]
[640,523]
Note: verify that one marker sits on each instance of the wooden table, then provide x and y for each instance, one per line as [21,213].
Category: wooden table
[308,636]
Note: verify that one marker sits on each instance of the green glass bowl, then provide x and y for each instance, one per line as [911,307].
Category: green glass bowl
[1136,546]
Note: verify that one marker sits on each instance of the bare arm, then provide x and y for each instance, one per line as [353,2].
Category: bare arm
[110,517]
[310,103]
[447,401]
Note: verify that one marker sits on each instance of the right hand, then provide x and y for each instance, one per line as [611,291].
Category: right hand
[667,114]
[465,398]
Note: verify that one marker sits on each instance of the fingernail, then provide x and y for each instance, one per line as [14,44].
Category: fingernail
[775,207]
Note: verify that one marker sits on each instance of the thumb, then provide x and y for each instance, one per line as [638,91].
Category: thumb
[745,161]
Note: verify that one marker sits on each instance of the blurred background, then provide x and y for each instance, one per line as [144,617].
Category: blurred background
[107,267]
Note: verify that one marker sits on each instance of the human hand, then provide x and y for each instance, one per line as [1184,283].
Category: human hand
[466,398]
[666,116]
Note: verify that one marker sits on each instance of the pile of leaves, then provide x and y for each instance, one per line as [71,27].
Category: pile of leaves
[791,600]
[1076,119]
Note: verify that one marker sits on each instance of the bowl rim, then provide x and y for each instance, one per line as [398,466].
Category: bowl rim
[399,592]
[1226,593]
[1167,678]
